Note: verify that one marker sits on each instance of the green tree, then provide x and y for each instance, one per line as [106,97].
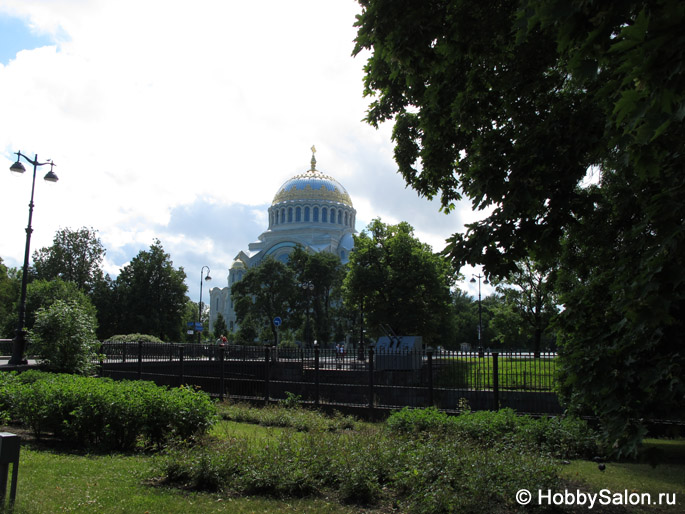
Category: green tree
[325,272]
[152,295]
[43,293]
[220,328]
[465,314]
[399,281]
[10,286]
[265,292]
[528,293]
[512,104]
[75,256]
[105,298]
[63,338]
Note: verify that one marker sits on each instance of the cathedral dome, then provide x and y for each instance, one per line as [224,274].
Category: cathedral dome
[312,185]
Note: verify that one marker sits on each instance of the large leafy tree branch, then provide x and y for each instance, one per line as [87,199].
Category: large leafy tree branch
[510,104]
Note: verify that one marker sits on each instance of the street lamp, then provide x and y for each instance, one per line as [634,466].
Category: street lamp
[19,343]
[199,310]
[480,310]
[308,289]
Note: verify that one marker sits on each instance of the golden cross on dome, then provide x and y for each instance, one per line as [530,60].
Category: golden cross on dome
[313,158]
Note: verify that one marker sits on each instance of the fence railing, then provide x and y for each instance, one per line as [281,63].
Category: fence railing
[373,380]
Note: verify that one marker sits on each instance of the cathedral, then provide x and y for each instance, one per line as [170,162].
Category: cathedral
[312,210]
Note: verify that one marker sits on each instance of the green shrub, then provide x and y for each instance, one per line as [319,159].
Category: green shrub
[301,419]
[562,437]
[63,338]
[134,338]
[410,420]
[429,474]
[106,415]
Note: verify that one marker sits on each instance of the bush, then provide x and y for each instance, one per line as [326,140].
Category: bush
[102,414]
[566,437]
[287,415]
[134,338]
[63,338]
[421,475]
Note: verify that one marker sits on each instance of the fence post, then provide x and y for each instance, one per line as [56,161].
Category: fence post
[495,380]
[222,379]
[140,360]
[181,371]
[123,353]
[429,355]
[267,367]
[316,374]
[371,402]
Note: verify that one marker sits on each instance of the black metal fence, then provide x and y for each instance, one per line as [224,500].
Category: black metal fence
[370,380]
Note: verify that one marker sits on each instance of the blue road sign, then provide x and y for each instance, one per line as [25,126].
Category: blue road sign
[278,321]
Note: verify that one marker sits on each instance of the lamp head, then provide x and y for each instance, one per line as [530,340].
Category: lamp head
[50,175]
[473,280]
[208,277]
[17,167]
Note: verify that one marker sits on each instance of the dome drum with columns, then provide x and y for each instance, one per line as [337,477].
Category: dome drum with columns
[312,210]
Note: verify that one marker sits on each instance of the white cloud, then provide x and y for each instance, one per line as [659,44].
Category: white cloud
[156,111]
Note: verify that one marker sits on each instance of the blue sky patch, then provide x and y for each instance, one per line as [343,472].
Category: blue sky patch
[16,35]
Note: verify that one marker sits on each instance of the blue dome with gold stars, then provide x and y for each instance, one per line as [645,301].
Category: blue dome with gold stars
[312,185]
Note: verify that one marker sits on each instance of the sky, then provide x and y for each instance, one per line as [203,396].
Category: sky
[178,121]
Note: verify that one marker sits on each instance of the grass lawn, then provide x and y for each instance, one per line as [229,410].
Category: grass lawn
[668,476]
[514,374]
[51,481]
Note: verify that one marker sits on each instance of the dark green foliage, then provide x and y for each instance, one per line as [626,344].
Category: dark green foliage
[75,256]
[397,280]
[63,338]
[152,295]
[266,291]
[419,475]
[325,272]
[562,437]
[134,338]
[219,329]
[529,305]
[287,415]
[10,286]
[43,293]
[101,414]
[514,105]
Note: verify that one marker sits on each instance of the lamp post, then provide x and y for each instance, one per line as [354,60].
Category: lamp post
[480,309]
[199,310]
[308,289]
[19,343]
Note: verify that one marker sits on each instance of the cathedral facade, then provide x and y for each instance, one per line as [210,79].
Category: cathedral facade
[311,210]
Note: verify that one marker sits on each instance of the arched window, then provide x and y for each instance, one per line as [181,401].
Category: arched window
[324,215]
[332,215]
[298,214]
[316,214]
[346,219]
[290,214]
[282,215]
[339,217]
[306,213]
